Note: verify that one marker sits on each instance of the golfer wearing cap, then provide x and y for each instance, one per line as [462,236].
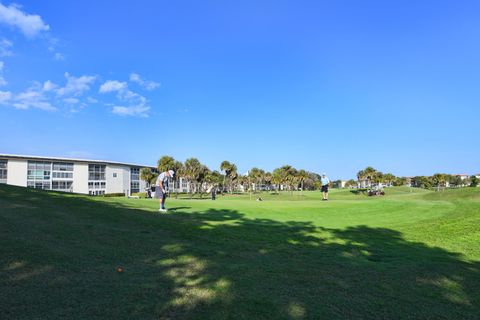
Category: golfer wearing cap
[325,182]
[161,188]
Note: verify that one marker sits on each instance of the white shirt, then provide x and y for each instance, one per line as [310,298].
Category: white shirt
[325,181]
[162,177]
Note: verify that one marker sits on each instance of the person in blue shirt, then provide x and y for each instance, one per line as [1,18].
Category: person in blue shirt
[325,182]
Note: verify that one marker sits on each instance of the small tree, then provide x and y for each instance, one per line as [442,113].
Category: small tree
[439,180]
[474,181]
[147,175]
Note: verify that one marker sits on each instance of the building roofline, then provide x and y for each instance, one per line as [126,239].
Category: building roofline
[27,157]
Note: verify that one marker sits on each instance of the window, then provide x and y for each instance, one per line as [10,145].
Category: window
[134,174]
[39,174]
[114,174]
[134,180]
[62,166]
[62,175]
[62,185]
[3,171]
[96,172]
[135,186]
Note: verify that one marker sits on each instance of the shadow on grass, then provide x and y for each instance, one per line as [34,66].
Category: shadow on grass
[59,257]
[359,191]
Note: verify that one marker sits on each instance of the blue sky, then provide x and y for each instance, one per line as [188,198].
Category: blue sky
[329,86]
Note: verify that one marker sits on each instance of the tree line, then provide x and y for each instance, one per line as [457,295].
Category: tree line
[371,176]
[228,179]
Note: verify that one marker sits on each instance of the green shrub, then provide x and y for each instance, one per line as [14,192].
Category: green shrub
[139,194]
[118,194]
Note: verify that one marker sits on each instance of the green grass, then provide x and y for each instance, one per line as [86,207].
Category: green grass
[413,254]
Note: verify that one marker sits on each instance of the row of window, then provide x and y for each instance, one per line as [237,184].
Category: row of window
[62,175]
[47,165]
[97,185]
[62,185]
[38,175]
[96,192]
[53,185]
[39,184]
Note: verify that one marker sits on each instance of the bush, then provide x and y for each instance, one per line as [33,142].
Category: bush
[118,194]
[139,194]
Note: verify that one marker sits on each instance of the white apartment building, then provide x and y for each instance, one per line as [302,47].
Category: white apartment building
[94,177]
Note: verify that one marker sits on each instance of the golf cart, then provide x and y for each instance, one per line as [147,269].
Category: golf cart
[376,191]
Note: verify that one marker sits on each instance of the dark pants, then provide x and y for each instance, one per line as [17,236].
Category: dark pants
[164,196]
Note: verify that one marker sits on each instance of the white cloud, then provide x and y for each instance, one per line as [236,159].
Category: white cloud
[3,82]
[32,98]
[112,86]
[140,110]
[49,86]
[5,96]
[5,48]
[71,100]
[91,100]
[58,56]
[76,85]
[149,85]
[29,24]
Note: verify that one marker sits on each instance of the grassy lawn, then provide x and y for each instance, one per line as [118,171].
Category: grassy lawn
[413,254]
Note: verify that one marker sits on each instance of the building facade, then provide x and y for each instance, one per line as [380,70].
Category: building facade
[94,177]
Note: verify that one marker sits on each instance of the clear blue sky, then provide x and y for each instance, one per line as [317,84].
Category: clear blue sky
[329,86]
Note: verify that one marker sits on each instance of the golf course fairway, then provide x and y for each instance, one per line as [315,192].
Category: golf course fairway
[412,254]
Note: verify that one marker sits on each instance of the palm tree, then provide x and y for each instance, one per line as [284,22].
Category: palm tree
[360,177]
[147,175]
[277,178]
[389,178]
[302,175]
[230,170]
[165,163]
[256,176]
[285,175]
[191,171]
[439,179]
[267,177]
[370,174]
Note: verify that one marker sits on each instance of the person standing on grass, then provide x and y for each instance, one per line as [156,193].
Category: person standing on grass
[161,188]
[325,182]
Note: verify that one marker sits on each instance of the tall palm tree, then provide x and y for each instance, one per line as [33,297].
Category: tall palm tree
[302,175]
[191,171]
[267,177]
[231,173]
[360,177]
[439,179]
[389,178]
[225,167]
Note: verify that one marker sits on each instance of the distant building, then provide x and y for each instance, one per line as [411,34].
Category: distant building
[340,184]
[94,177]
[462,176]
